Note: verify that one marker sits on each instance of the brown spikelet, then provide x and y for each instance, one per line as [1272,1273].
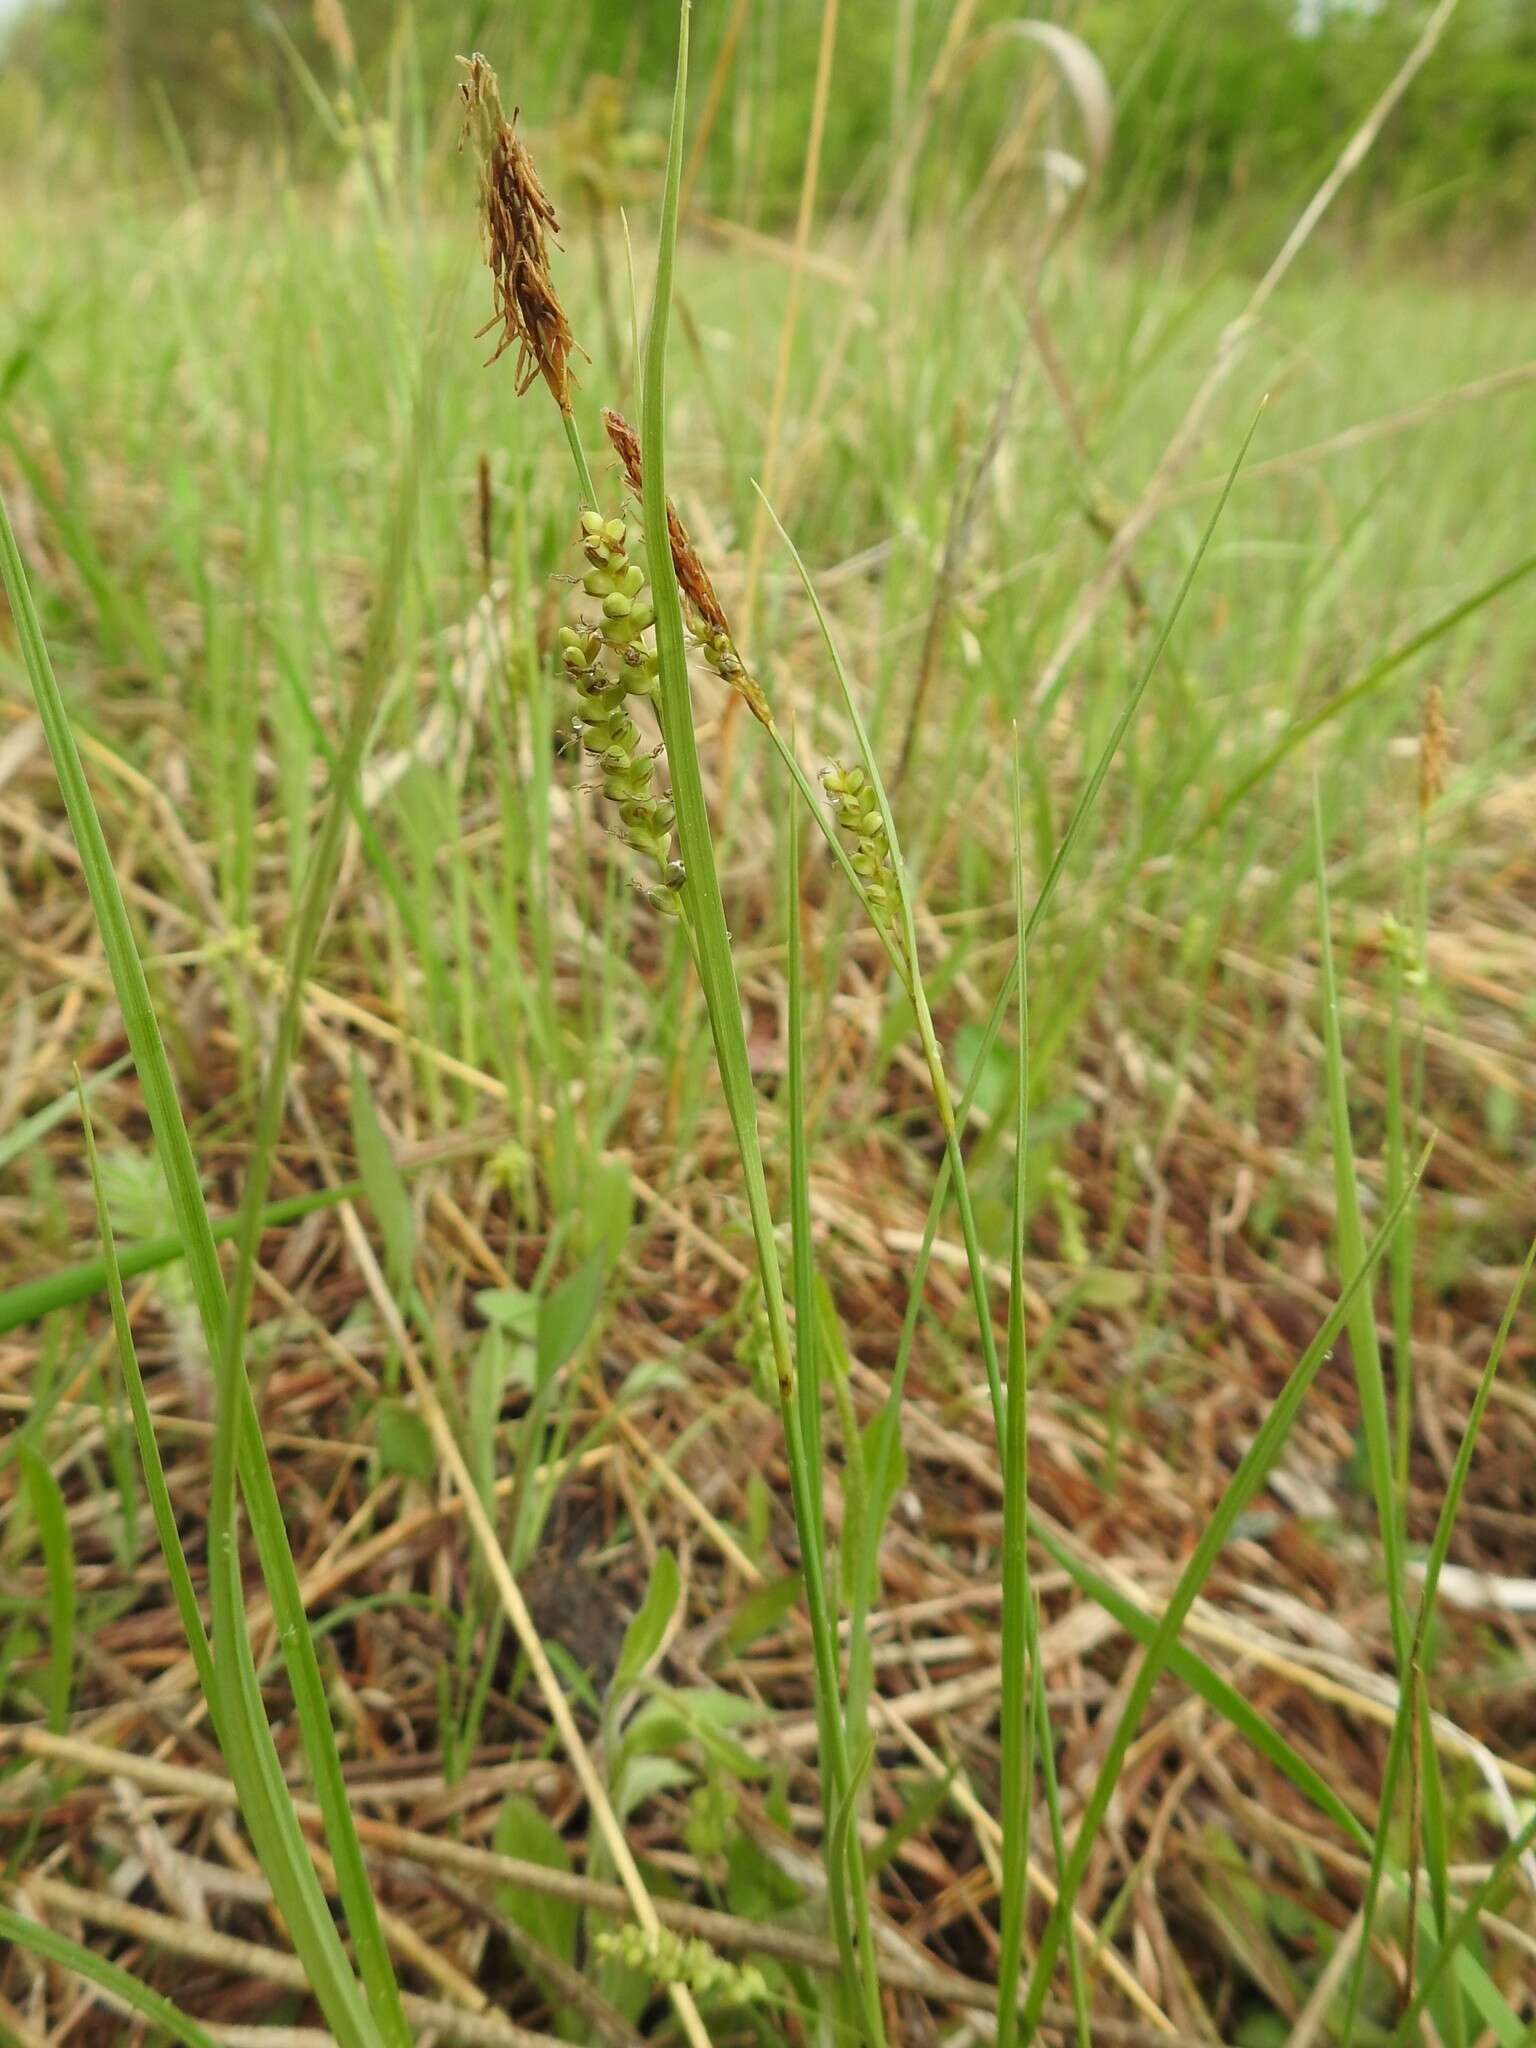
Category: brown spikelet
[692,576]
[710,622]
[332,28]
[517,220]
[1434,749]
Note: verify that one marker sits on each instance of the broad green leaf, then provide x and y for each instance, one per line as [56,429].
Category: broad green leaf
[523,1831]
[566,1314]
[47,1503]
[404,1441]
[510,1309]
[387,1195]
[646,1633]
[607,1209]
[762,1610]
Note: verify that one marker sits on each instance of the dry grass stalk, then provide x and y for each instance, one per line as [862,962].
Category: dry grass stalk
[517,221]
[710,622]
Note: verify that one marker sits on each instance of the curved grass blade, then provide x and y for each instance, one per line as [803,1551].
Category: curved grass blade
[1240,1489]
[252,1758]
[1374,677]
[21,1136]
[237,1437]
[1484,1899]
[802,1242]
[164,1515]
[1439,1550]
[703,910]
[30,1300]
[1018,1690]
[1202,1678]
[47,1503]
[58,1948]
[913,978]
[704,914]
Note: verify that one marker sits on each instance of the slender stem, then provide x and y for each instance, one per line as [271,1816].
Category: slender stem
[579,457]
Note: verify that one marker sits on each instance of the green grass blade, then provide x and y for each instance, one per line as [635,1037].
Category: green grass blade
[802,1243]
[1484,1898]
[30,1300]
[182,1590]
[47,1503]
[1240,1489]
[22,1136]
[1371,1385]
[1050,1785]
[1369,1378]
[1378,673]
[1081,811]
[237,1440]
[38,1940]
[1440,1544]
[1018,1692]
[1202,1678]
[1439,1549]
[704,912]
[252,1759]
[913,977]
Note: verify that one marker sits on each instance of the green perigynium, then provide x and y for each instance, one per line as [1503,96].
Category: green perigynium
[610,661]
[667,1959]
[857,809]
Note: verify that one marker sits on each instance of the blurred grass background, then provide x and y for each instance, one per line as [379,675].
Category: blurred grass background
[1222,106]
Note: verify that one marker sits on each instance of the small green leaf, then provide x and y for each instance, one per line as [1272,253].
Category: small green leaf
[509,1309]
[607,1208]
[885,1423]
[59,1563]
[647,1777]
[566,1314]
[387,1195]
[763,1609]
[1110,1287]
[404,1441]
[522,1831]
[645,1634]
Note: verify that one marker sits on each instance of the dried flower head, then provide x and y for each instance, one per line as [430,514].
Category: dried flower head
[332,28]
[1434,749]
[516,220]
[711,625]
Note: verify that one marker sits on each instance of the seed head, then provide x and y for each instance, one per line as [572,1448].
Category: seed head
[1434,749]
[710,622]
[332,29]
[516,221]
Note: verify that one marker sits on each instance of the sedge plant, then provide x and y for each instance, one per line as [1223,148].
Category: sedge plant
[636,648]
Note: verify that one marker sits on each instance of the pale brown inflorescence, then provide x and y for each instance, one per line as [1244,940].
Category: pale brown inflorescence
[516,220]
[711,627]
[1434,749]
